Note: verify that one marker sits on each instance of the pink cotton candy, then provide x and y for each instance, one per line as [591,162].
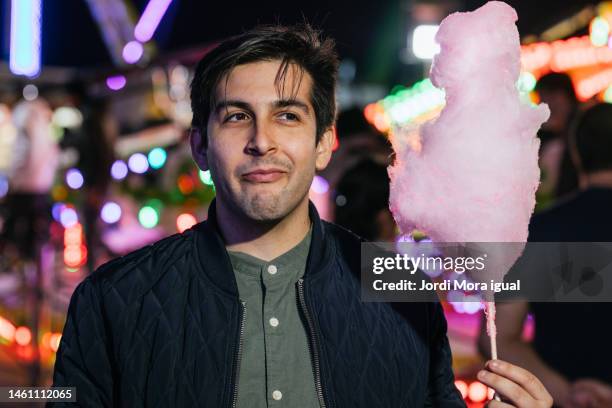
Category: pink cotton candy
[476,174]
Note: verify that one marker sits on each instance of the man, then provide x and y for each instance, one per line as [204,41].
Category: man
[570,351]
[259,305]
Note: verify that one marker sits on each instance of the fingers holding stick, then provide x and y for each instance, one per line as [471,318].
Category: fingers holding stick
[515,384]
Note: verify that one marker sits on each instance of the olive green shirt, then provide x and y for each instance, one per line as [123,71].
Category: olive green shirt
[275,367]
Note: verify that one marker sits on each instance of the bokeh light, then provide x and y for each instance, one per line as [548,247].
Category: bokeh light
[68,217]
[132,52]
[185,184]
[23,336]
[526,82]
[73,235]
[54,341]
[56,211]
[205,177]
[599,31]
[119,170]
[116,82]
[185,221]
[4,186]
[111,212]
[7,330]
[477,391]
[319,185]
[138,163]
[462,387]
[67,117]
[157,158]
[30,92]
[46,337]
[148,217]
[607,97]
[75,255]
[74,179]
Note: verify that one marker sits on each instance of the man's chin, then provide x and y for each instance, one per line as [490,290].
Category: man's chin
[266,208]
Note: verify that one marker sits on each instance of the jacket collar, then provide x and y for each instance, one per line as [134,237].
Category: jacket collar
[215,262]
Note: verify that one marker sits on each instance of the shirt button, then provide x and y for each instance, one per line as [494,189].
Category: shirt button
[277,395]
[272,269]
[274,322]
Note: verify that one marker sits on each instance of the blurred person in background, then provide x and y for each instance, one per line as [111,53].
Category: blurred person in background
[362,202]
[357,141]
[559,176]
[33,167]
[570,351]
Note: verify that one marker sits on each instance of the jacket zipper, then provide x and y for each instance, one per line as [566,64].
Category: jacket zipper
[313,343]
[238,353]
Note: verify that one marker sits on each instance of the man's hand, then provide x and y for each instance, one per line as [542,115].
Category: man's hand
[517,386]
[589,393]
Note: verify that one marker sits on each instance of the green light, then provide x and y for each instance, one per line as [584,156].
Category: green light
[206,178]
[607,97]
[148,217]
[409,103]
[600,31]
[526,82]
[157,158]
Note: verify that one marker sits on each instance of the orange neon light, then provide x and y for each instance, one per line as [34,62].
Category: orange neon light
[563,55]
[591,86]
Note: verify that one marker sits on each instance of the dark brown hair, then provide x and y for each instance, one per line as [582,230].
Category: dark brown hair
[592,138]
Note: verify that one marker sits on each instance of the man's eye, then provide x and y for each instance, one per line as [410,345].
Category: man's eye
[237,117]
[289,116]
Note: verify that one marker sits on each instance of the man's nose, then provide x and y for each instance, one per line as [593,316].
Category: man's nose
[262,139]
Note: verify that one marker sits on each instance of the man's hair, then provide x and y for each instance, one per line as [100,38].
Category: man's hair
[557,81]
[592,138]
[364,191]
[300,45]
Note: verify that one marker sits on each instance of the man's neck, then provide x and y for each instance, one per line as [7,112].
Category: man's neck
[596,179]
[263,240]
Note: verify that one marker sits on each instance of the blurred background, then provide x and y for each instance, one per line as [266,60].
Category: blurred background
[94,113]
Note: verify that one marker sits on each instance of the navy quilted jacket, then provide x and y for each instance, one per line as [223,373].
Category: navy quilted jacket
[161,327]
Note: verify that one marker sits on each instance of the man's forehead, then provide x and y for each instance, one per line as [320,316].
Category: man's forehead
[265,81]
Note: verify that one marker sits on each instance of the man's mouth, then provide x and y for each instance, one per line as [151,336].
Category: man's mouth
[264,175]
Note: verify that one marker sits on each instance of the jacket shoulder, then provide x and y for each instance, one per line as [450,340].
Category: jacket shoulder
[347,246]
[345,240]
[143,267]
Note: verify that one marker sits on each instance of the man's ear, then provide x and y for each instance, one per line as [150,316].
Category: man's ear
[198,148]
[324,148]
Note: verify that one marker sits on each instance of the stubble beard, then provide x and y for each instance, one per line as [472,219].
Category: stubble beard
[269,207]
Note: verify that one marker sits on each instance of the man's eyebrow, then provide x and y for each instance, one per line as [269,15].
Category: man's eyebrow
[225,104]
[284,103]
[280,103]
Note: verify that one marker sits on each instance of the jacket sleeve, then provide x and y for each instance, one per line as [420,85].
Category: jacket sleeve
[441,390]
[83,359]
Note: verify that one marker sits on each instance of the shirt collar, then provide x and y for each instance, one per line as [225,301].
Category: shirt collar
[215,263]
[294,259]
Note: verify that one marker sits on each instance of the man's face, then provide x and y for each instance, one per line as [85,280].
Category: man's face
[261,145]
